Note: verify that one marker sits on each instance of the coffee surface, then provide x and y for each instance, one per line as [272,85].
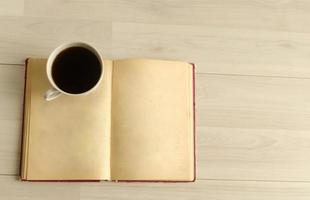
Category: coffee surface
[76,70]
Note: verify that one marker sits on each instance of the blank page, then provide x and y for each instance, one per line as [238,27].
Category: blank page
[152,134]
[67,138]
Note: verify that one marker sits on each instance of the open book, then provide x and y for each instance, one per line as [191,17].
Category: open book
[138,125]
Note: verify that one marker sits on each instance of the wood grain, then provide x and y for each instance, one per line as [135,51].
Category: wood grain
[36,37]
[285,15]
[220,190]
[253,128]
[217,50]
[11,106]
[214,50]
[12,8]
[219,36]
[10,143]
[14,189]
[211,189]
[74,9]
[11,89]
[253,102]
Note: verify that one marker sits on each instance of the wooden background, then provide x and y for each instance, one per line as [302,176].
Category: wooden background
[253,88]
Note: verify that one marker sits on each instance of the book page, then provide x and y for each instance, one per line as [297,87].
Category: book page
[152,121]
[69,137]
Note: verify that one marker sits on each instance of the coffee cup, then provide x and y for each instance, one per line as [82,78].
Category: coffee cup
[75,69]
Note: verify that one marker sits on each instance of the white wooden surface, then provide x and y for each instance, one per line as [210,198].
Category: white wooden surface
[253,88]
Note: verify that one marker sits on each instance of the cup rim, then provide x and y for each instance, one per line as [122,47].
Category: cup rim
[62,47]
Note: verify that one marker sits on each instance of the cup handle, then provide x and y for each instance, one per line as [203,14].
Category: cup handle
[51,94]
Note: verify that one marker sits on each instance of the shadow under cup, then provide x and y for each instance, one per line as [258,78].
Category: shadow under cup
[76,70]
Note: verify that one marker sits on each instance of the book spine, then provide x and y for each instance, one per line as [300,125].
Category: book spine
[194,120]
[22,159]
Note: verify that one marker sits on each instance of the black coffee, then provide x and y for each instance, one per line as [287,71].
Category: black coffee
[76,70]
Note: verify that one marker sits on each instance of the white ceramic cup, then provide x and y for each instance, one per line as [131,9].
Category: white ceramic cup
[55,91]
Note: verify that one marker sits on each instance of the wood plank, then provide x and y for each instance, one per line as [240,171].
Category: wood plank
[11,106]
[253,154]
[12,91]
[14,189]
[253,128]
[273,15]
[12,8]
[74,9]
[219,36]
[282,15]
[217,50]
[204,189]
[37,37]
[10,143]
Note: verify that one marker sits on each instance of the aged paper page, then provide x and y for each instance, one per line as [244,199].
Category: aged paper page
[69,137]
[152,120]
